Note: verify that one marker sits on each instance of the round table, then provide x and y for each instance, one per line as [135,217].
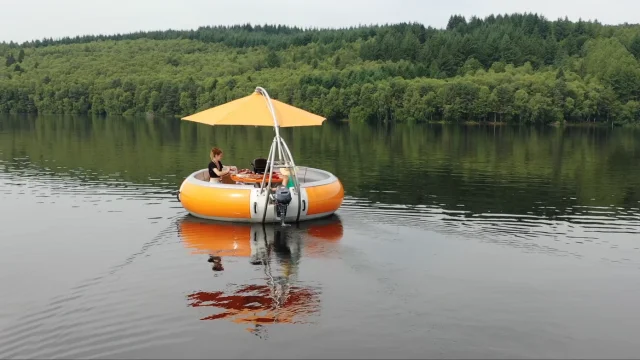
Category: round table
[252,178]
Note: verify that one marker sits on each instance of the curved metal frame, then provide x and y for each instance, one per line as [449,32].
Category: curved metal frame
[277,147]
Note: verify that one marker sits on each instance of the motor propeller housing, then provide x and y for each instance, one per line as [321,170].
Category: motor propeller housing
[283,199]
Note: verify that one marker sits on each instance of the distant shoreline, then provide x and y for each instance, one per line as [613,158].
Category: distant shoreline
[350,122]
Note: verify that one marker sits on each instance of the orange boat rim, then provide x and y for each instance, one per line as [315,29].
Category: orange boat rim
[318,195]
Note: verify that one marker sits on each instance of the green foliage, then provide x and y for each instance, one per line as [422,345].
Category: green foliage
[634,47]
[514,68]
[10,60]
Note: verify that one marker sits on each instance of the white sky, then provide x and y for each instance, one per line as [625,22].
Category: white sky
[22,20]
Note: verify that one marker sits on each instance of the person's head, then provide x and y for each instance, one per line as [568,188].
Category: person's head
[216,154]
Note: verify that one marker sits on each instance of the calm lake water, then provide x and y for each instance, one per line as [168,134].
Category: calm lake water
[455,242]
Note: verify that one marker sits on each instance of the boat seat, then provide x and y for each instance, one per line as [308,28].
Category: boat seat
[259,165]
[203,176]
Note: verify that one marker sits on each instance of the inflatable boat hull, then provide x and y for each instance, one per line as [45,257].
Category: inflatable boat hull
[321,194]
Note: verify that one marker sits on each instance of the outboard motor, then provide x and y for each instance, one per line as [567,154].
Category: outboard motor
[283,199]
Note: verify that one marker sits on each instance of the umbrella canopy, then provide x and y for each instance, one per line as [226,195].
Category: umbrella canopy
[253,110]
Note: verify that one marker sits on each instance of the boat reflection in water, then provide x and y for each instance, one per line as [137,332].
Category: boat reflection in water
[277,250]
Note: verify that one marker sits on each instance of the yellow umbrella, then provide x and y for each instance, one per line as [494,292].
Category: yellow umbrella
[255,110]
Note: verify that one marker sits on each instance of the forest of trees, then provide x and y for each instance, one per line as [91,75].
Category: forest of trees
[508,68]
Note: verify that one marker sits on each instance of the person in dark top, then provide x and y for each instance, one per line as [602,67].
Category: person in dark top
[216,169]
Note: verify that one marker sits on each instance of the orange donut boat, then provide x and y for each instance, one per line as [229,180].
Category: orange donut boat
[312,193]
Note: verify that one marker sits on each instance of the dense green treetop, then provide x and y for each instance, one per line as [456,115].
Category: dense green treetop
[514,68]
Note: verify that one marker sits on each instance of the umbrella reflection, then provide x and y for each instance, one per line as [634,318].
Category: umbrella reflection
[256,304]
[279,299]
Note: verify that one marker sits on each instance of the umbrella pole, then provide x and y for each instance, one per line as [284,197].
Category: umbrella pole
[276,126]
[269,158]
[286,155]
[272,155]
[294,176]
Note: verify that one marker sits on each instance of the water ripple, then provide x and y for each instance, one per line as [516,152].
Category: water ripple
[99,314]
[120,309]
[527,232]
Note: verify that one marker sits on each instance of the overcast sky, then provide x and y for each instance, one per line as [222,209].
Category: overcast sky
[22,20]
